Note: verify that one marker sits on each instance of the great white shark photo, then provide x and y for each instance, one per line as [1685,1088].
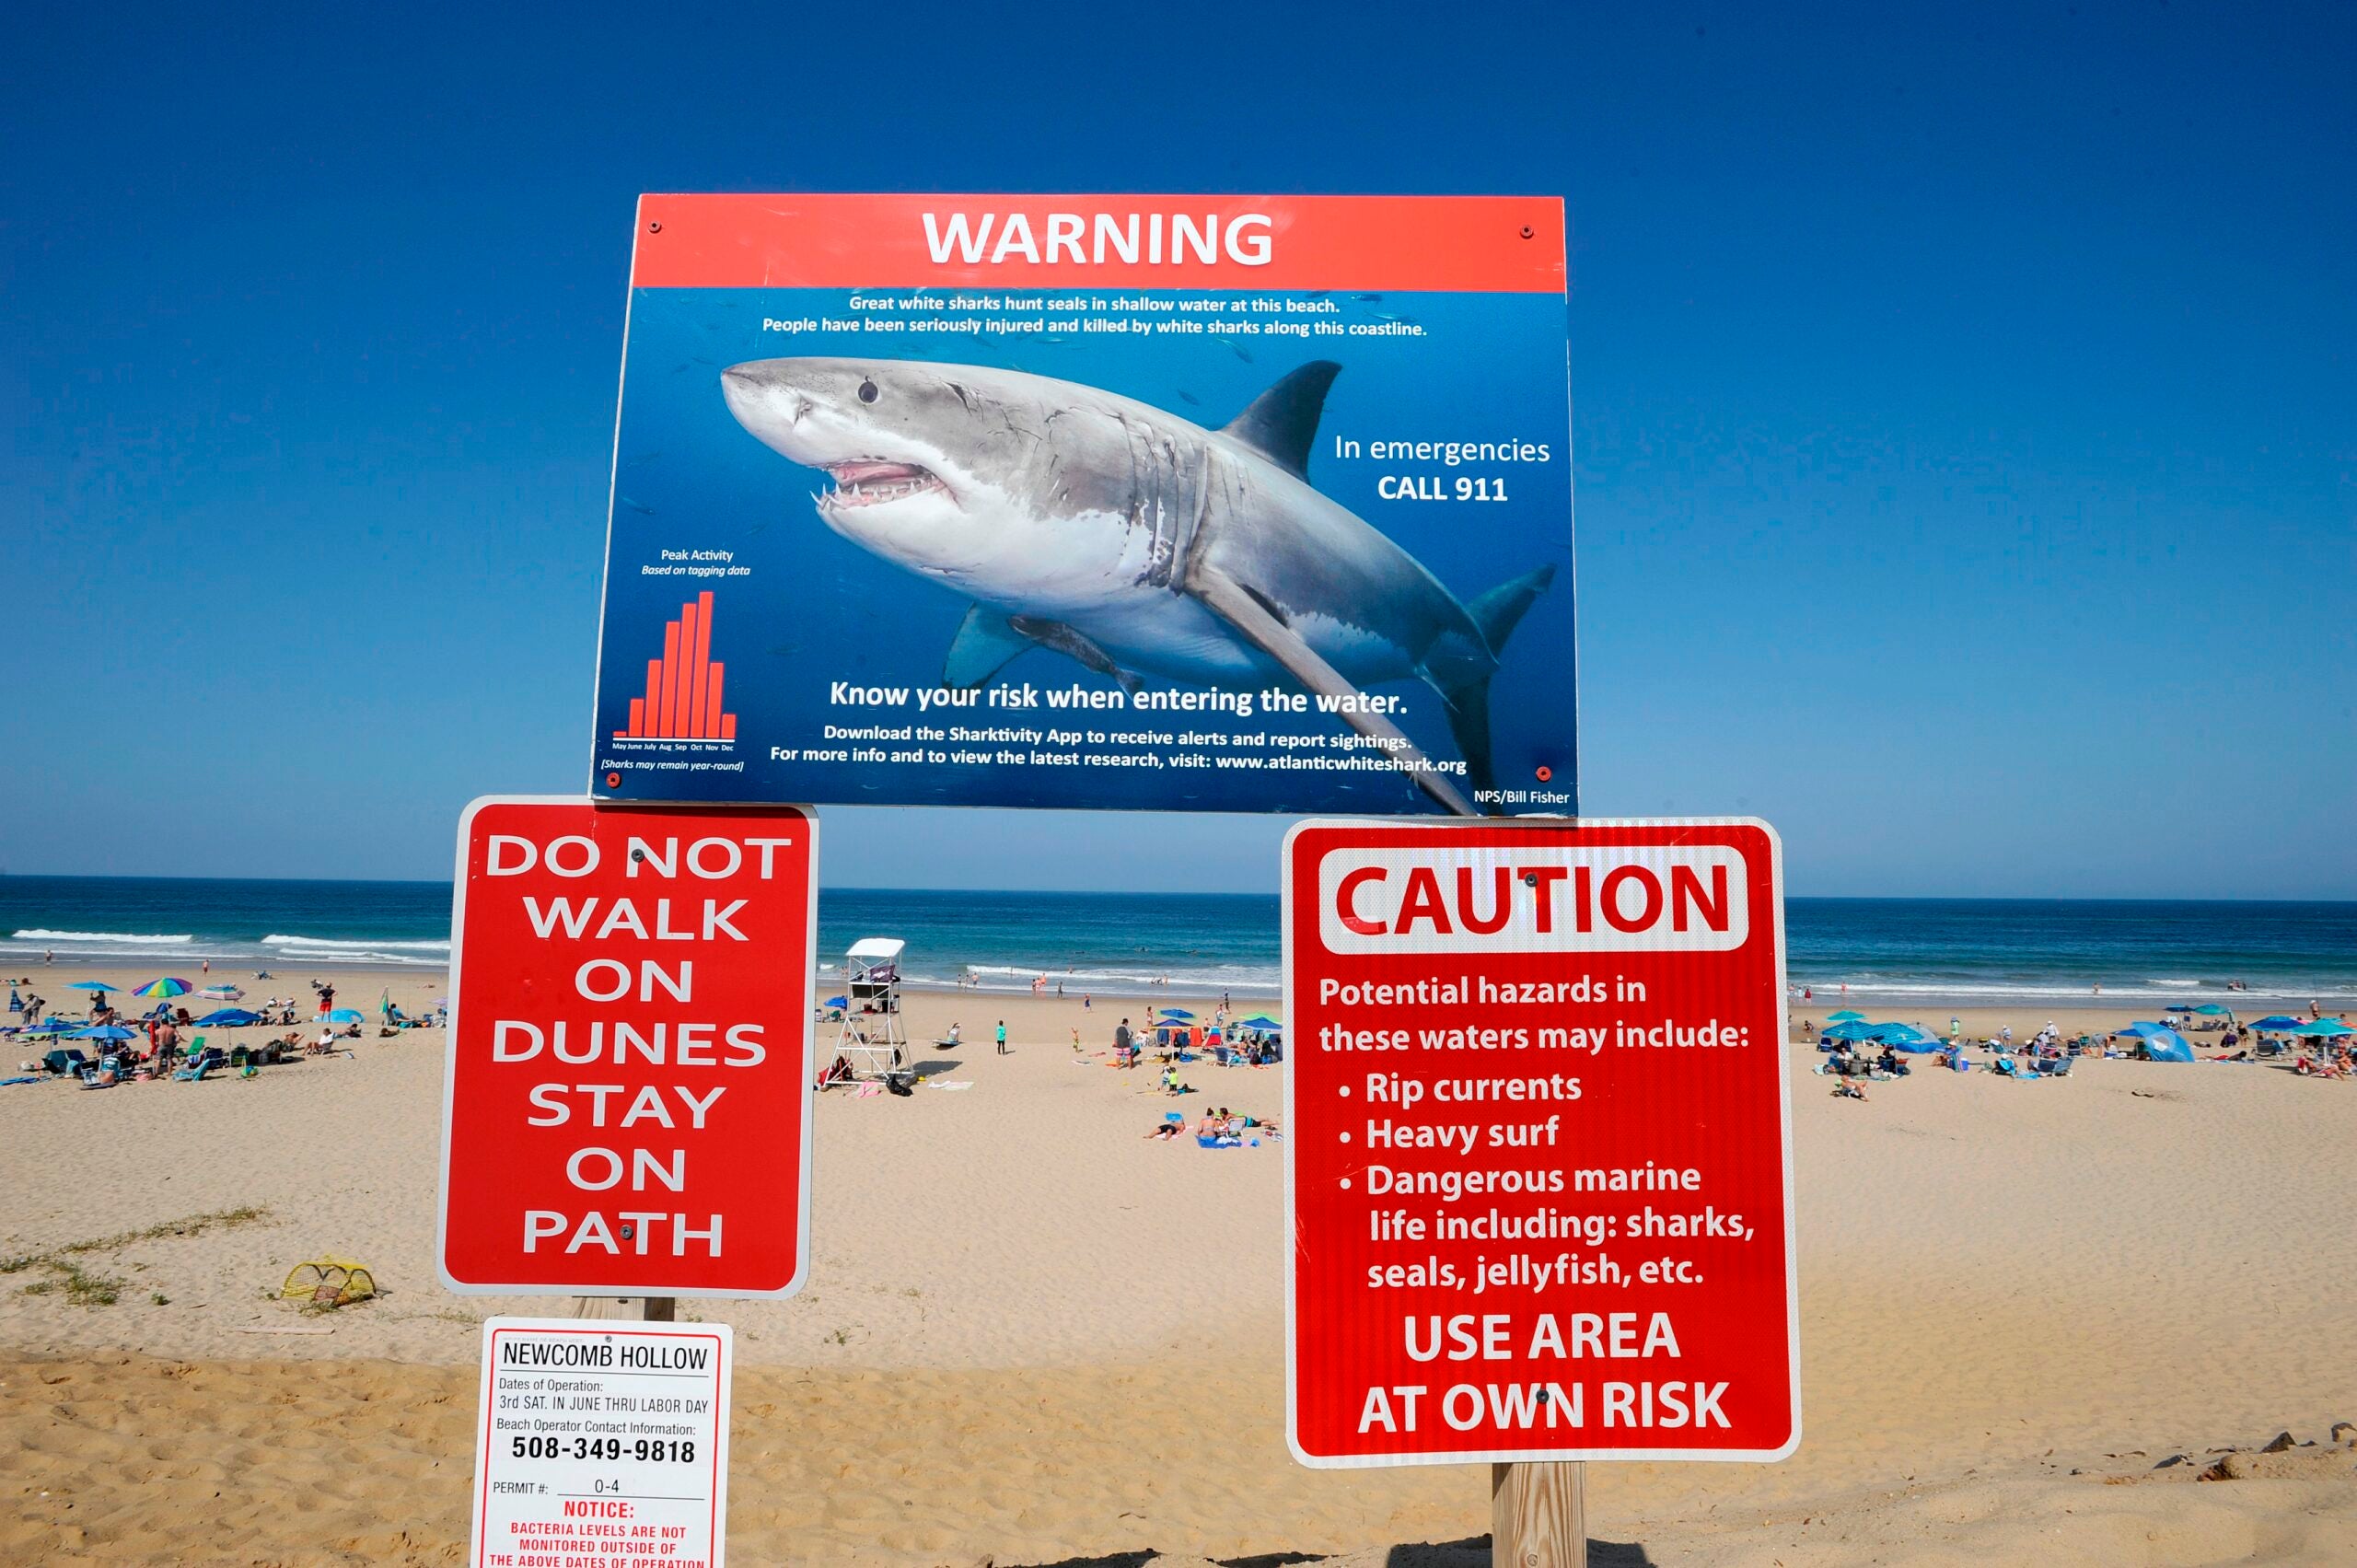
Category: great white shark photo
[1135,542]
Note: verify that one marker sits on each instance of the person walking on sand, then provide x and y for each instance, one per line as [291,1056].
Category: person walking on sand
[1001,1037]
[1123,1044]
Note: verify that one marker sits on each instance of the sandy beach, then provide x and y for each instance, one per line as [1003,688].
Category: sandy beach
[1035,1336]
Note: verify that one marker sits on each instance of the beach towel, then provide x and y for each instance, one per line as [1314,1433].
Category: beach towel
[961,1084]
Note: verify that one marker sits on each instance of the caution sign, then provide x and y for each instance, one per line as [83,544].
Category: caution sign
[627,1105]
[1539,1175]
[602,1445]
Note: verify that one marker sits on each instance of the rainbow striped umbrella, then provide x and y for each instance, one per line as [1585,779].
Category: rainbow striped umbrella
[167,986]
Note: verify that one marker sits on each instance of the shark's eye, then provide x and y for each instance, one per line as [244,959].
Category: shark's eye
[866,392]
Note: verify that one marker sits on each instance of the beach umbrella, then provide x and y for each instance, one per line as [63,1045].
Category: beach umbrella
[2167,1045]
[97,985]
[1179,1013]
[1259,1021]
[2324,1026]
[1855,1029]
[228,1018]
[1904,1037]
[1846,1016]
[167,986]
[831,1002]
[51,1027]
[219,994]
[2278,1022]
[104,1031]
[345,1015]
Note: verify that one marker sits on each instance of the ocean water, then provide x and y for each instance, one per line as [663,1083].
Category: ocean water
[1954,952]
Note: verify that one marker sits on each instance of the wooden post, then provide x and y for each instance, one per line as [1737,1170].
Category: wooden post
[1537,1517]
[628,1308]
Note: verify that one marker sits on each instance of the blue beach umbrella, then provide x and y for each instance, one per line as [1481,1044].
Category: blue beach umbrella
[51,1027]
[1905,1037]
[1179,1013]
[228,1018]
[831,1002]
[2278,1021]
[104,1031]
[2323,1027]
[2144,1029]
[2167,1045]
[1859,1029]
[2210,1010]
[345,1015]
[97,985]
[1846,1016]
[1259,1021]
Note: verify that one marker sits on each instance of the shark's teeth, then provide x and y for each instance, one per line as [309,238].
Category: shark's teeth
[858,493]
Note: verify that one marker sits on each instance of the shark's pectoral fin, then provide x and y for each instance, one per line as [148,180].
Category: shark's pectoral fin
[984,643]
[1072,644]
[987,640]
[1265,630]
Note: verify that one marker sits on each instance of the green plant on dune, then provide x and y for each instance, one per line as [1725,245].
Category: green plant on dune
[84,1288]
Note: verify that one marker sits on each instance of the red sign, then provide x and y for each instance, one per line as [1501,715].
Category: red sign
[1478,244]
[1538,1148]
[627,1105]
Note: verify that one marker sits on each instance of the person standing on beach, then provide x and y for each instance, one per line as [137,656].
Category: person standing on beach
[1001,1037]
[1123,1043]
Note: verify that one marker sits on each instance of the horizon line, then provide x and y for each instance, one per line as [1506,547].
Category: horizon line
[825,886]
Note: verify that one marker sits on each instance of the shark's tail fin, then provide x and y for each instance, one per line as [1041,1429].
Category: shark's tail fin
[1464,682]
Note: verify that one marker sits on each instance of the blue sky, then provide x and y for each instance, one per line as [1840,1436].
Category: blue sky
[1964,417]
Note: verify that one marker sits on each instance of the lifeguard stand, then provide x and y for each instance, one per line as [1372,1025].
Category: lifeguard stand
[870,1037]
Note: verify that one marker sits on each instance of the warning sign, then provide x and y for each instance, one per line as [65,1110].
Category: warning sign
[627,1105]
[1538,1179]
[602,1445]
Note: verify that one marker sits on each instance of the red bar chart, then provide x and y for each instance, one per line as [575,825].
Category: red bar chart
[683,686]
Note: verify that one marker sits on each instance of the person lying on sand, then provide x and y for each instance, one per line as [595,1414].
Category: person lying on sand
[1167,1130]
[1848,1088]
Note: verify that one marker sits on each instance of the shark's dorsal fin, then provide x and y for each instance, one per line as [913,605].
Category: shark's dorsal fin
[1283,421]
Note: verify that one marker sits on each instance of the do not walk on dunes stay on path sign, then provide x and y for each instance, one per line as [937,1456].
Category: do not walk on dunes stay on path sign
[627,1105]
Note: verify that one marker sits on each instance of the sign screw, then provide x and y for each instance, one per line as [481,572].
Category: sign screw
[654,227]
[1525,234]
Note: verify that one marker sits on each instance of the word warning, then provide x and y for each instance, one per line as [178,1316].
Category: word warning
[602,1445]
[1540,1179]
[627,1105]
